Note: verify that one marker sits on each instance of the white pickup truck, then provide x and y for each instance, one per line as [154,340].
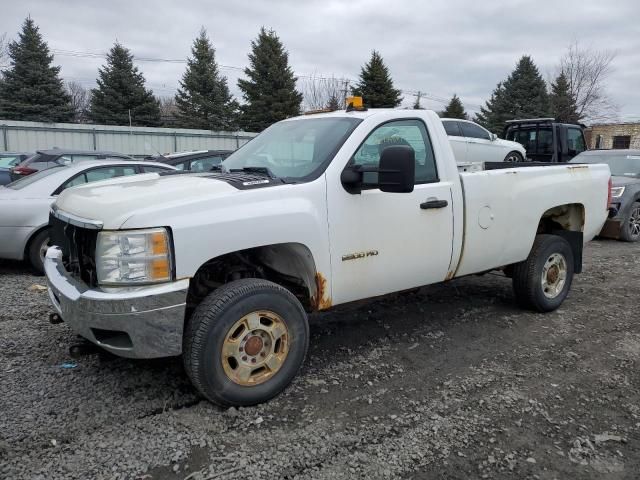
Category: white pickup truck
[223,267]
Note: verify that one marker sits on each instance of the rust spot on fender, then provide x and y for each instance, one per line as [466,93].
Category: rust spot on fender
[321,301]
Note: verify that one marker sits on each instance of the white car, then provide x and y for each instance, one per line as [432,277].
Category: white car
[25,203]
[222,267]
[472,143]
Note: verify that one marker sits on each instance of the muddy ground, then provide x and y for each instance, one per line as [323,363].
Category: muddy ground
[452,381]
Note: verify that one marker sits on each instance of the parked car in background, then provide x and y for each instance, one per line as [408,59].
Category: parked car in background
[546,140]
[472,143]
[624,217]
[58,156]
[25,203]
[200,161]
[8,160]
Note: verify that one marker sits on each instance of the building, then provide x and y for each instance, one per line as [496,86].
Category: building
[614,135]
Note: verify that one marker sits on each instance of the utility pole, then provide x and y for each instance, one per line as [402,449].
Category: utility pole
[416,105]
[345,92]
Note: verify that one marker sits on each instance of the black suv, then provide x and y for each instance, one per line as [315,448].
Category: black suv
[44,159]
[200,161]
[547,140]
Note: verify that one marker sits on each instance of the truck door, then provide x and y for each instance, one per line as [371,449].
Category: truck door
[384,242]
[480,147]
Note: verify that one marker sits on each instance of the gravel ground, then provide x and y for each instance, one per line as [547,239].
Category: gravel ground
[452,381]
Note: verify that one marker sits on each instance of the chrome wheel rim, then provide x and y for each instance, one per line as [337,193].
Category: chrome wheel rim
[42,251]
[634,222]
[513,158]
[255,348]
[554,275]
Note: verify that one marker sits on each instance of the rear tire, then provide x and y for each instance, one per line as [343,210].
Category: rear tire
[37,250]
[543,280]
[245,342]
[514,157]
[630,229]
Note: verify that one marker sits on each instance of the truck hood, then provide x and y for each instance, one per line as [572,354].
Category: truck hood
[115,202]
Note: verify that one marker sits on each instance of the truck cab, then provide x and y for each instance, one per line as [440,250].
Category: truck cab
[546,140]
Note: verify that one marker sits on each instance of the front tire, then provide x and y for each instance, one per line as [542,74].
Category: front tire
[37,250]
[245,342]
[630,230]
[514,157]
[543,280]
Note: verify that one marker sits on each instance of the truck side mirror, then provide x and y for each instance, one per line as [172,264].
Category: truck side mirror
[397,170]
[494,137]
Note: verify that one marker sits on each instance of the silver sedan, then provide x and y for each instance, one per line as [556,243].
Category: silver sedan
[25,203]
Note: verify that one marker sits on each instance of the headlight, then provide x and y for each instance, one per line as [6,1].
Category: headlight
[617,192]
[133,257]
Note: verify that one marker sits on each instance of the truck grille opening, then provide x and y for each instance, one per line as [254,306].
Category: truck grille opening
[78,246]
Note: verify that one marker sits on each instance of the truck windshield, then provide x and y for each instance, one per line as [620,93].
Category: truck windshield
[295,149]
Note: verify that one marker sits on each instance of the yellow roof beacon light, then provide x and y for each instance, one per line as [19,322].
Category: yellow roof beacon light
[355,103]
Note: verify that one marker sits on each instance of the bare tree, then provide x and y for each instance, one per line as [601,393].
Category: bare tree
[323,92]
[168,110]
[80,100]
[587,71]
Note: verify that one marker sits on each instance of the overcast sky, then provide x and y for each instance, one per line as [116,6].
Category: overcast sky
[437,47]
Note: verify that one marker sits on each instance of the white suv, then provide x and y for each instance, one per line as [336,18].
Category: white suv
[472,143]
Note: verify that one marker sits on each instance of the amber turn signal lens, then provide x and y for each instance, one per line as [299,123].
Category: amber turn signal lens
[160,269]
[159,243]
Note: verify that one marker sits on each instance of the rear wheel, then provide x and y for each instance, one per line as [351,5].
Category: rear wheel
[37,251]
[630,230]
[543,280]
[245,342]
[514,157]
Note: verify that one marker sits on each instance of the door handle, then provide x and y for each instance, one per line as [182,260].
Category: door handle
[433,204]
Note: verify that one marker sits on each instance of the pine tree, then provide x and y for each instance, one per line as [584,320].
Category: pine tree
[121,94]
[203,99]
[522,95]
[334,103]
[454,109]
[376,86]
[563,104]
[270,90]
[31,88]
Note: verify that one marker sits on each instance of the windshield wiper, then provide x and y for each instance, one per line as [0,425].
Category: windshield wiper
[259,170]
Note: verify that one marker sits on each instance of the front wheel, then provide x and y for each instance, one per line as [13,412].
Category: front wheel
[630,230]
[245,342]
[542,281]
[514,157]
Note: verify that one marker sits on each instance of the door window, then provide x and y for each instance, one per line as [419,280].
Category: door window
[452,129]
[82,158]
[154,169]
[205,164]
[474,131]
[575,141]
[97,174]
[412,133]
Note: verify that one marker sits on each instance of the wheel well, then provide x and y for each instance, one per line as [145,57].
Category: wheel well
[27,245]
[290,265]
[566,221]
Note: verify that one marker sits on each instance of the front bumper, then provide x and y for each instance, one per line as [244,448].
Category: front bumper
[133,322]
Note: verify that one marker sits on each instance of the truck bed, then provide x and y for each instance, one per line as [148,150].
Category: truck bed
[504,204]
